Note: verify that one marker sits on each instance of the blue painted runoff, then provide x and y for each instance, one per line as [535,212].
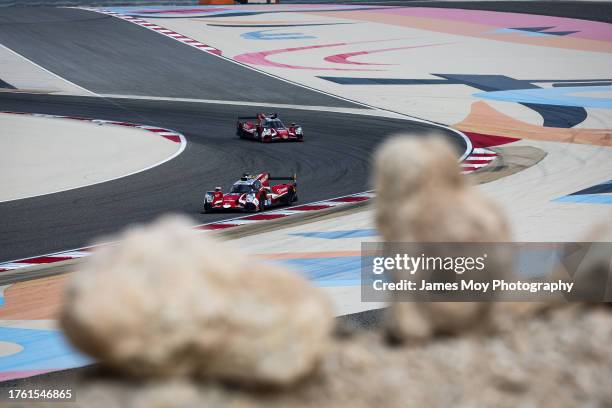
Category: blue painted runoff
[356,233]
[560,96]
[586,199]
[42,349]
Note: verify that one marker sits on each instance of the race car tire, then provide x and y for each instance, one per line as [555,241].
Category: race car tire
[206,209]
[264,139]
[242,133]
[262,203]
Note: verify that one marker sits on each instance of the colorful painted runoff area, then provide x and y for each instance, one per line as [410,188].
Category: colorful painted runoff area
[31,343]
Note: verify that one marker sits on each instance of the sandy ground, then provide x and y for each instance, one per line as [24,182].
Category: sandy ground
[46,155]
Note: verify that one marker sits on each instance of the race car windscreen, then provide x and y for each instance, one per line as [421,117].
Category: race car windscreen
[242,188]
[274,124]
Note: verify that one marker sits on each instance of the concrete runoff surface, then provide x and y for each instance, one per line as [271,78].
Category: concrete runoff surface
[409,45]
[47,155]
[528,196]
[22,75]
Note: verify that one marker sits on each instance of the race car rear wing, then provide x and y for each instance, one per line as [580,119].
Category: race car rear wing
[292,178]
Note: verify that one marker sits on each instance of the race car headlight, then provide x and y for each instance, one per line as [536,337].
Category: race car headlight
[298,131]
[208,197]
[267,132]
[250,197]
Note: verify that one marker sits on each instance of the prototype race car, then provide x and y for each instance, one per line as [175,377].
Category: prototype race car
[269,128]
[252,193]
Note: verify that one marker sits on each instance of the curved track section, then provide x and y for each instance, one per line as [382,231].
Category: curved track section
[333,161]
[107,55]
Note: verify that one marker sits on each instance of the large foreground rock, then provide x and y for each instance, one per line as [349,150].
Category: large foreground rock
[168,302]
[561,359]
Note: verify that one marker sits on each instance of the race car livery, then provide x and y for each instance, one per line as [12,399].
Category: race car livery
[269,128]
[252,193]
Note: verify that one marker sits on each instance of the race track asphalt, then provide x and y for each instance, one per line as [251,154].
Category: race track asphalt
[107,55]
[596,10]
[333,161]
[110,56]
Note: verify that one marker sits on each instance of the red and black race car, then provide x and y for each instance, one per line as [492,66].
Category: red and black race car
[252,193]
[269,128]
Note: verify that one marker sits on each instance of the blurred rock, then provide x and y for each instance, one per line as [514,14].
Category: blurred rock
[506,315]
[423,197]
[167,395]
[167,302]
[590,265]
[561,359]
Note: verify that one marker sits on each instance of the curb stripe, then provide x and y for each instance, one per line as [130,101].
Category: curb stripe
[477,159]
[158,29]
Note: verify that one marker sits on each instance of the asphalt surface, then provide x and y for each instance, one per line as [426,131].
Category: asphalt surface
[333,161]
[110,56]
[107,55]
[584,10]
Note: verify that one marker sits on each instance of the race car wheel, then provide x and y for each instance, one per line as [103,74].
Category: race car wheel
[262,203]
[264,139]
[206,208]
